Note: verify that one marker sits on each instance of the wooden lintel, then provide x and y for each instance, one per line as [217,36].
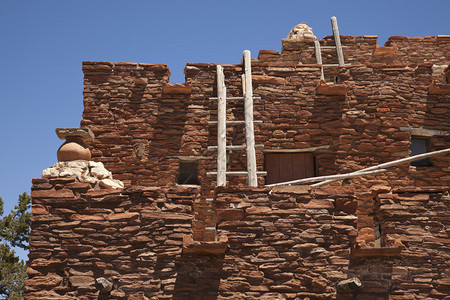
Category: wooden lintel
[310,149]
[331,89]
[177,88]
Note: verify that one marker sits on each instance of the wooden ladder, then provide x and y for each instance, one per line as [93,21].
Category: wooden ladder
[249,128]
[338,46]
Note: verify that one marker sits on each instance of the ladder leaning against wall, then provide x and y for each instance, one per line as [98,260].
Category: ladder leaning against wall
[222,127]
[338,46]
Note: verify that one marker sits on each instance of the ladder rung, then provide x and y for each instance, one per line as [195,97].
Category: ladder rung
[234,122]
[334,65]
[238,147]
[237,173]
[235,98]
[328,47]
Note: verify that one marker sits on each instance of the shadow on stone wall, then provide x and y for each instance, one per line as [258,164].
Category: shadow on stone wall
[198,276]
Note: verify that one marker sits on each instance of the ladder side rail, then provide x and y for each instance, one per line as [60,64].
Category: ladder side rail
[337,41]
[221,128]
[249,130]
[319,58]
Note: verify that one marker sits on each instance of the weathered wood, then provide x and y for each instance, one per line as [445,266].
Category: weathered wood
[235,98]
[337,41]
[310,149]
[390,164]
[328,47]
[237,173]
[249,130]
[319,58]
[328,177]
[236,147]
[221,128]
[234,122]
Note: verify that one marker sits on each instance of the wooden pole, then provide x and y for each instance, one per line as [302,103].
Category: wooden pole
[249,130]
[390,164]
[221,128]
[320,178]
[337,41]
[319,58]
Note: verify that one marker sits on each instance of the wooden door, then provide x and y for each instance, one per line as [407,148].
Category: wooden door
[282,167]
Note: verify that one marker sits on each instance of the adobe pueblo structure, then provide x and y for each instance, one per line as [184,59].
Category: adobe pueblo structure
[178,190]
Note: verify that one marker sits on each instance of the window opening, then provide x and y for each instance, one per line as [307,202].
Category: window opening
[420,146]
[188,173]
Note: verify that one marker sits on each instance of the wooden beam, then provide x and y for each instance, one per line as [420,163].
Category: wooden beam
[237,173]
[236,147]
[235,98]
[234,122]
[319,58]
[249,130]
[337,41]
[329,177]
[221,128]
[390,164]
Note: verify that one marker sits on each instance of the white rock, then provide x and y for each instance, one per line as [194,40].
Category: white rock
[94,164]
[50,172]
[68,173]
[88,179]
[81,164]
[301,31]
[115,184]
[101,173]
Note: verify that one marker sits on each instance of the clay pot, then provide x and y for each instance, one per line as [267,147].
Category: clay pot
[73,149]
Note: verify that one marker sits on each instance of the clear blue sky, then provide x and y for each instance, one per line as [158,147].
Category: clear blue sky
[44,42]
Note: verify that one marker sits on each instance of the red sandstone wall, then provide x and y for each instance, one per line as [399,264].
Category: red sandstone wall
[288,242]
[143,126]
[132,237]
[284,243]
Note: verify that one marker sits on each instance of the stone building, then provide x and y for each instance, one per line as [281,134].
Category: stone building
[140,217]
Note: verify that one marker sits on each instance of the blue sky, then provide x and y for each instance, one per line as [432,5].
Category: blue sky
[44,42]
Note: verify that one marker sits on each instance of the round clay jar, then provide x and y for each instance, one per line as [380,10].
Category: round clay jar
[73,149]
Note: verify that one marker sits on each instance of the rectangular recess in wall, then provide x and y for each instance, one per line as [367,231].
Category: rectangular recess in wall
[188,173]
[419,146]
[283,167]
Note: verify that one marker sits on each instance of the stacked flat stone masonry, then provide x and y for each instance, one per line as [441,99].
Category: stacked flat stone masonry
[131,237]
[383,236]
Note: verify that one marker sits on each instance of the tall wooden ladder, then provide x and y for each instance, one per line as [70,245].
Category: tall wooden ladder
[222,123]
[338,46]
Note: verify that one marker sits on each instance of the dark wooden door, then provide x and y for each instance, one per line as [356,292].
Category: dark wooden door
[282,167]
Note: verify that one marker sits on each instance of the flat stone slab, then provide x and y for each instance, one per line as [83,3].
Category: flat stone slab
[84,133]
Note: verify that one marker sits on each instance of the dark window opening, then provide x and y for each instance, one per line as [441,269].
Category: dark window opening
[283,167]
[188,173]
[420,146]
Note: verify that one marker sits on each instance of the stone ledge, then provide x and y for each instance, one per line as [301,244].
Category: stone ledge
[384,51]
[437,88]
[375,251]
[331,89]
[177,88]
[195,247]
[84,133]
